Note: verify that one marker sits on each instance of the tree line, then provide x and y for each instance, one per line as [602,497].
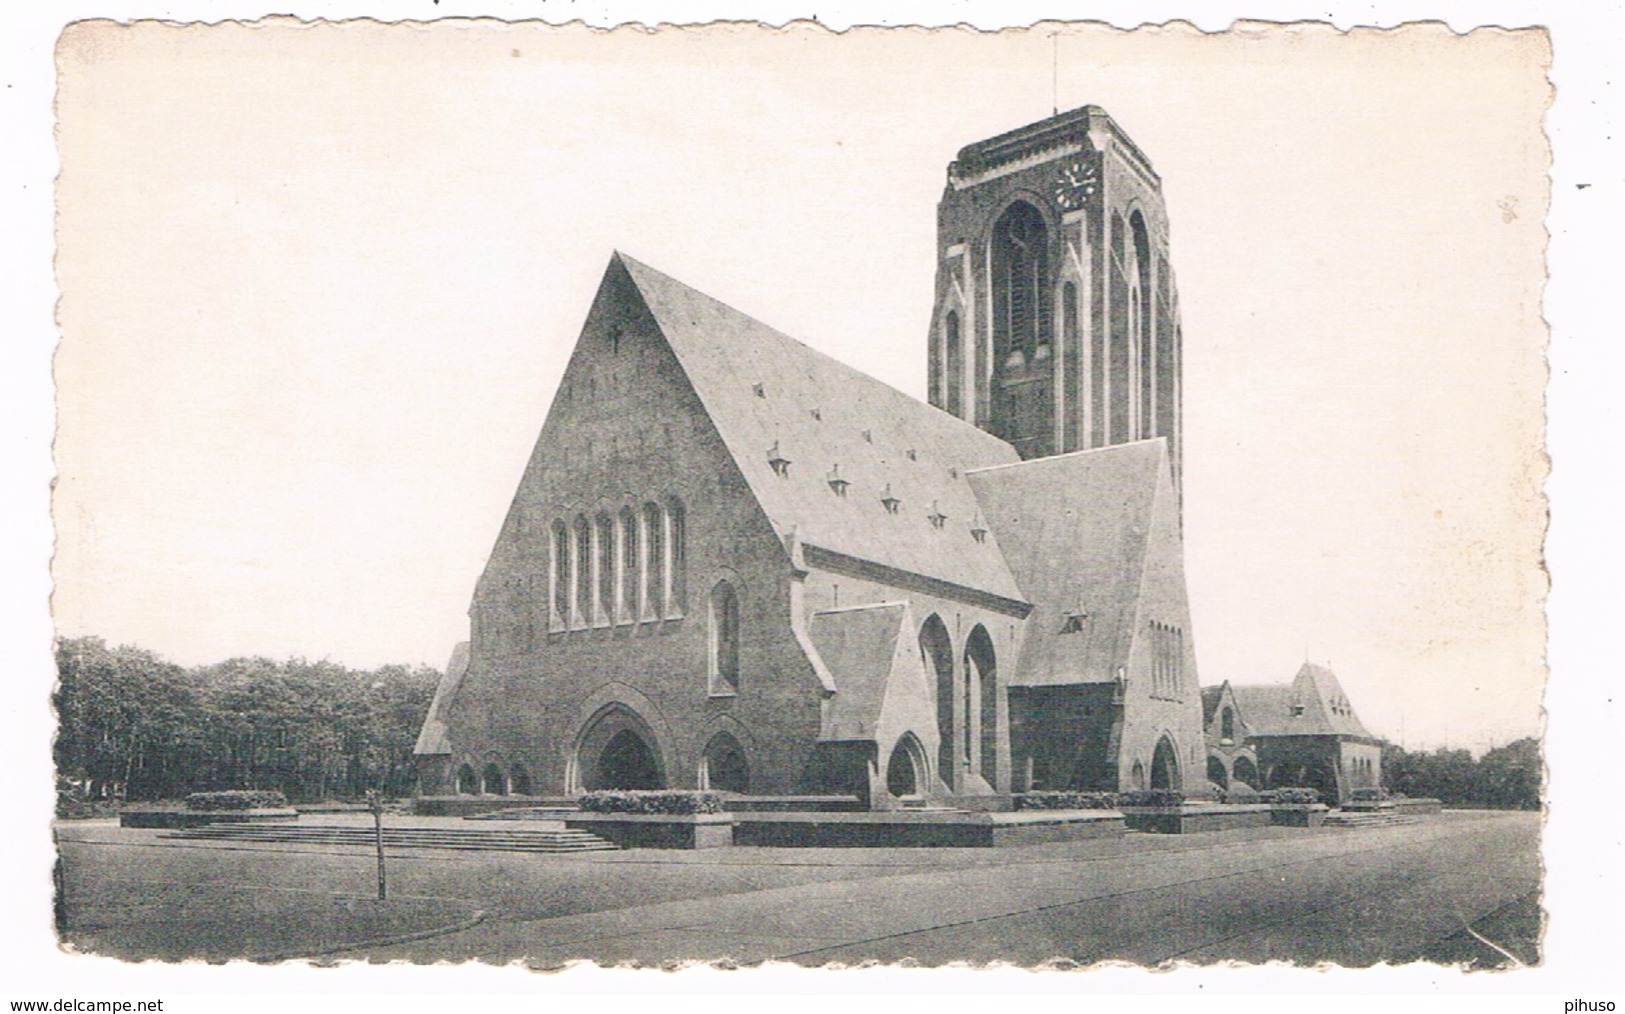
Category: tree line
[134,726]
[1506,777]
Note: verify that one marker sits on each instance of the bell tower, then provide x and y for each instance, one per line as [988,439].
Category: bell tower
[1056,324]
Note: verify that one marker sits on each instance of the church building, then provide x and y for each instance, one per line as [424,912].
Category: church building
[733,562]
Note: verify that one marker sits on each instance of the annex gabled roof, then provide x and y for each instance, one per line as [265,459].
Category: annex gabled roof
[1313,704]
[843,441]
[858,644]
[1075,529]
[432,737]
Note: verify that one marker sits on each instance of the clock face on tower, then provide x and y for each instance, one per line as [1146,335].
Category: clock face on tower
[1075,184]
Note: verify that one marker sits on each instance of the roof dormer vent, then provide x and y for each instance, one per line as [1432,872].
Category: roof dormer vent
[837,483]
[936,517]
[890,502]
[780,463]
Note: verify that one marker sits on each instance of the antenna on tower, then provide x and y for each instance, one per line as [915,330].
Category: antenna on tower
[1055,73]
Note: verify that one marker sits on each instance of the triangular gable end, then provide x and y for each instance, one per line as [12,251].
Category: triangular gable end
[589,410]
[1161,594]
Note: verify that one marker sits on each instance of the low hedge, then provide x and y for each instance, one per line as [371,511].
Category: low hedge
[1063,800]
[1294,796]
[1078,800]
[237,799]
[1369,795]
[1151,797]
[668,801]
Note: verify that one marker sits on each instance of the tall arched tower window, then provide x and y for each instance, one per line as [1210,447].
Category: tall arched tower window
[953,364]
[1146,364]
[1022,409]
[724,639]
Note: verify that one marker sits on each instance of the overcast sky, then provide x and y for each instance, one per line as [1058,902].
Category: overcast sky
[319,285]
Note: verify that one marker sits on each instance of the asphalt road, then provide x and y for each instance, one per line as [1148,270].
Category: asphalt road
[1459,886]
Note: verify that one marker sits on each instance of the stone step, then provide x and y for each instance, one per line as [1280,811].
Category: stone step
[460,839]
[1342,818]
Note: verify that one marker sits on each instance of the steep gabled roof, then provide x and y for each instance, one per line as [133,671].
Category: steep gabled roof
[1313,704]
[770,396]
[432,737]
[1075,529]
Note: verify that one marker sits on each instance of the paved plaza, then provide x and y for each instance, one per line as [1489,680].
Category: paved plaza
[1460,886]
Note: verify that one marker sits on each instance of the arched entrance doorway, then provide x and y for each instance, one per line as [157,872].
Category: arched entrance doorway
[1246,772]
[492,783]
[627,763]
[905,770]
[519,781]
[1165,765]
[982,704]
[1216,773]
[723,765]
[617,750]
[938,651]
[467,783]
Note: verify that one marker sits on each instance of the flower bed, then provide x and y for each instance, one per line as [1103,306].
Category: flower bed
[174,816]
[237,799]
[1295,796]
[665,801]
[1066,801]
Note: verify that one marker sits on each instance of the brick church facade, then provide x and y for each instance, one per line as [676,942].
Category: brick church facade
[733,562]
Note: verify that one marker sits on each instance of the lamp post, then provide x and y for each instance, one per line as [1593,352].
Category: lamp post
[375,803]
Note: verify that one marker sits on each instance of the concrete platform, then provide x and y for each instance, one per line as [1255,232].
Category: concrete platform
[1258,894]
[924,829]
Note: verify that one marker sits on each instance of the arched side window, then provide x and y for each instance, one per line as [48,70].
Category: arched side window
[560,560]
[604,544]
[724,640]
[1227,724]
[581,573]
[953,365]
[651,577]
[626,567]
[676,548]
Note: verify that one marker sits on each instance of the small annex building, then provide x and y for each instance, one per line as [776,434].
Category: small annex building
[1303,733]
[734,562]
